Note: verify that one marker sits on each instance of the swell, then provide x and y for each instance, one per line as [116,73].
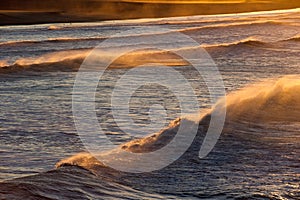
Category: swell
[273,101]
[234,25]
[240,43]
[52,40]
[293,39]
[50,62]
[70,183]
[70,60]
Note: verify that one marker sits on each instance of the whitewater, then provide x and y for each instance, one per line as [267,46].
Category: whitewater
[256,156]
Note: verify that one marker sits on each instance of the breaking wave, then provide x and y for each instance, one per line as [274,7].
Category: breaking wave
[50,40]
[57,61]
[267,101]
[70,60]
[240,43]
[270,101]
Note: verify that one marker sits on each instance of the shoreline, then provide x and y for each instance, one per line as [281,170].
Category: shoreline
[129,10]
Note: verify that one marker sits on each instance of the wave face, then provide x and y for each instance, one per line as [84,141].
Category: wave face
[256,157]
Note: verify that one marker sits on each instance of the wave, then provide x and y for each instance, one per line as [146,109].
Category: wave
[232,25]
[252,42]
[293,39]
[268,102]
[71,60]
[15,43]
[57,61]
[245,42]
[50,40]
[53,27]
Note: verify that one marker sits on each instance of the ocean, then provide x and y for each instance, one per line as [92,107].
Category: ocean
[44,153]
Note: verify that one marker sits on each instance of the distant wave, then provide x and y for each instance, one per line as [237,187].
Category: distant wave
[70,60]
[50,40]
[294,39]
[231,25]
[253,42]
[248,41]
[53,27]
[57,61]
[14,43]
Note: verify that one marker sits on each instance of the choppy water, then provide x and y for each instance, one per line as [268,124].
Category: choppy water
[256,157]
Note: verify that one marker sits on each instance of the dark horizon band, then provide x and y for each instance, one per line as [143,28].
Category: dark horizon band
[17,12]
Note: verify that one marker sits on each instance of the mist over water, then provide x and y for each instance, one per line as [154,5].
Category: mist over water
[256,156]
[269,101]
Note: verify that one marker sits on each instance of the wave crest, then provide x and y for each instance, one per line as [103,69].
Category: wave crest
[294,39]
[50,40]
[245,42]
[268,101]
[71,60]
[57,61]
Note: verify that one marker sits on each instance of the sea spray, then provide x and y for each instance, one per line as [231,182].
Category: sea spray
[268,101]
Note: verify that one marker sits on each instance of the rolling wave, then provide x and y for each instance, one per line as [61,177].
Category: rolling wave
[240,43]
[51,40]
[266,102]
[294,39]
[233,25]
[70,60]
[50,62]
[271,101]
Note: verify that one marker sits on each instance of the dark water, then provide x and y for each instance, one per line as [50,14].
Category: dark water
[256,156]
